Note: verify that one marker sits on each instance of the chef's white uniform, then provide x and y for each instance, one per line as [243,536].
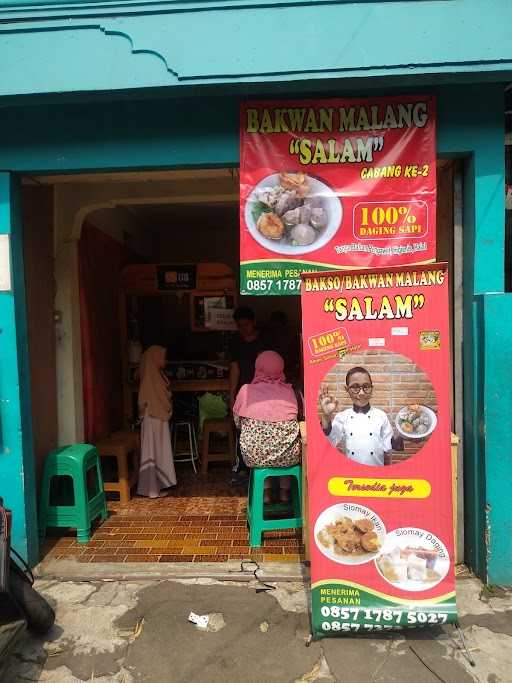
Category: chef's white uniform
[363,437]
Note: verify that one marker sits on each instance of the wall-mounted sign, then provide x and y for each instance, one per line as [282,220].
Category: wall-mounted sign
[212,312]
[5,264]
[176,277]
[217,314]
[329,184]
[377,369]
[221,319]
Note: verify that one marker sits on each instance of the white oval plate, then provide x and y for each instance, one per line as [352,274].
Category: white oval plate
[354,511]
[433,424]
[323,196]
[412,536]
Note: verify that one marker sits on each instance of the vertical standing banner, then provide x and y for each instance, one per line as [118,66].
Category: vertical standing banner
[377,376]
[334,184]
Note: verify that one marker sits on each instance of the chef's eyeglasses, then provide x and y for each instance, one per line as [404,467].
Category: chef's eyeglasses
[356,388]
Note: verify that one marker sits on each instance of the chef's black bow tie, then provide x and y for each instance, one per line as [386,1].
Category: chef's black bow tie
[361,409]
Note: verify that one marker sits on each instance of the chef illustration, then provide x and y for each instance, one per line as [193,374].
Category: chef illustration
[362,432]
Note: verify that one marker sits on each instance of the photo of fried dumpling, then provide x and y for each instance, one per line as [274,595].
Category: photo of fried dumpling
[343,524]
[350,537]
[295,181]
[347,542]
[271,226]
[370,542]
[363,525]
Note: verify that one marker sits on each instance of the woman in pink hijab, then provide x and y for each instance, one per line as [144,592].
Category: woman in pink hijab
[265,411]
[156,471]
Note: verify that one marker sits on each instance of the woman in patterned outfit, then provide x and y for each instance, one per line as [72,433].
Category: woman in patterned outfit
[265,411]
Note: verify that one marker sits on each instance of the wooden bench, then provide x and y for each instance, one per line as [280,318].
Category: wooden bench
[122,446]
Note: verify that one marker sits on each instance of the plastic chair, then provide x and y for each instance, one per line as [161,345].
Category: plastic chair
[256,507]
[192,454]
[82,502]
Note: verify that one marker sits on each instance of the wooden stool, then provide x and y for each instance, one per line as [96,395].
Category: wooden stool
[224,426]
[130,437]
[121,445]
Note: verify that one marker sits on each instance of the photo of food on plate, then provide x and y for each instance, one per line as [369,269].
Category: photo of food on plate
[415,421]
[349,533]
[377,407]
[409,564]
[413,559]
[292,213]
[350,537]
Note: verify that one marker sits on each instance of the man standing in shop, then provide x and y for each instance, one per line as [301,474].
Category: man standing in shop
[243,351]
[285,340]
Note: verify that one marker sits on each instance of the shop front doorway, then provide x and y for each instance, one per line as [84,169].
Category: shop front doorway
[106,228]
[154,259]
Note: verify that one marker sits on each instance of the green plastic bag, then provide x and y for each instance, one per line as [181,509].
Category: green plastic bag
[211,407]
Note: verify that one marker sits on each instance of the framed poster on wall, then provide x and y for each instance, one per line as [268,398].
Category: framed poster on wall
[212,311]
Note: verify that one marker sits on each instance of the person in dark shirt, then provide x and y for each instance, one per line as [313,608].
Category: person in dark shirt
[285,340]
[245,347]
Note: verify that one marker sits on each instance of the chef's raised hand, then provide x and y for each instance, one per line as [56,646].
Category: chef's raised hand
[328,407]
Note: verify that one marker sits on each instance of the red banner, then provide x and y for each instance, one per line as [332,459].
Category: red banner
[377,376]
[334,183]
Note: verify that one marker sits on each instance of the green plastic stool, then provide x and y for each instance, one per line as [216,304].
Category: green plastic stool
[79,504]
[256,508]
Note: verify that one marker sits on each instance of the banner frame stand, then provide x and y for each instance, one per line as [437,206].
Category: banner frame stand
[431,606]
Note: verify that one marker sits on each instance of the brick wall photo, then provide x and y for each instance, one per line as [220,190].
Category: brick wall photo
[397,382]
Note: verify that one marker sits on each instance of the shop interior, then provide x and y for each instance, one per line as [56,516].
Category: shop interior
[157,258]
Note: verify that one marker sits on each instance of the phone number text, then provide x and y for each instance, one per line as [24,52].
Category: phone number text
[354,618]
[273,285]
